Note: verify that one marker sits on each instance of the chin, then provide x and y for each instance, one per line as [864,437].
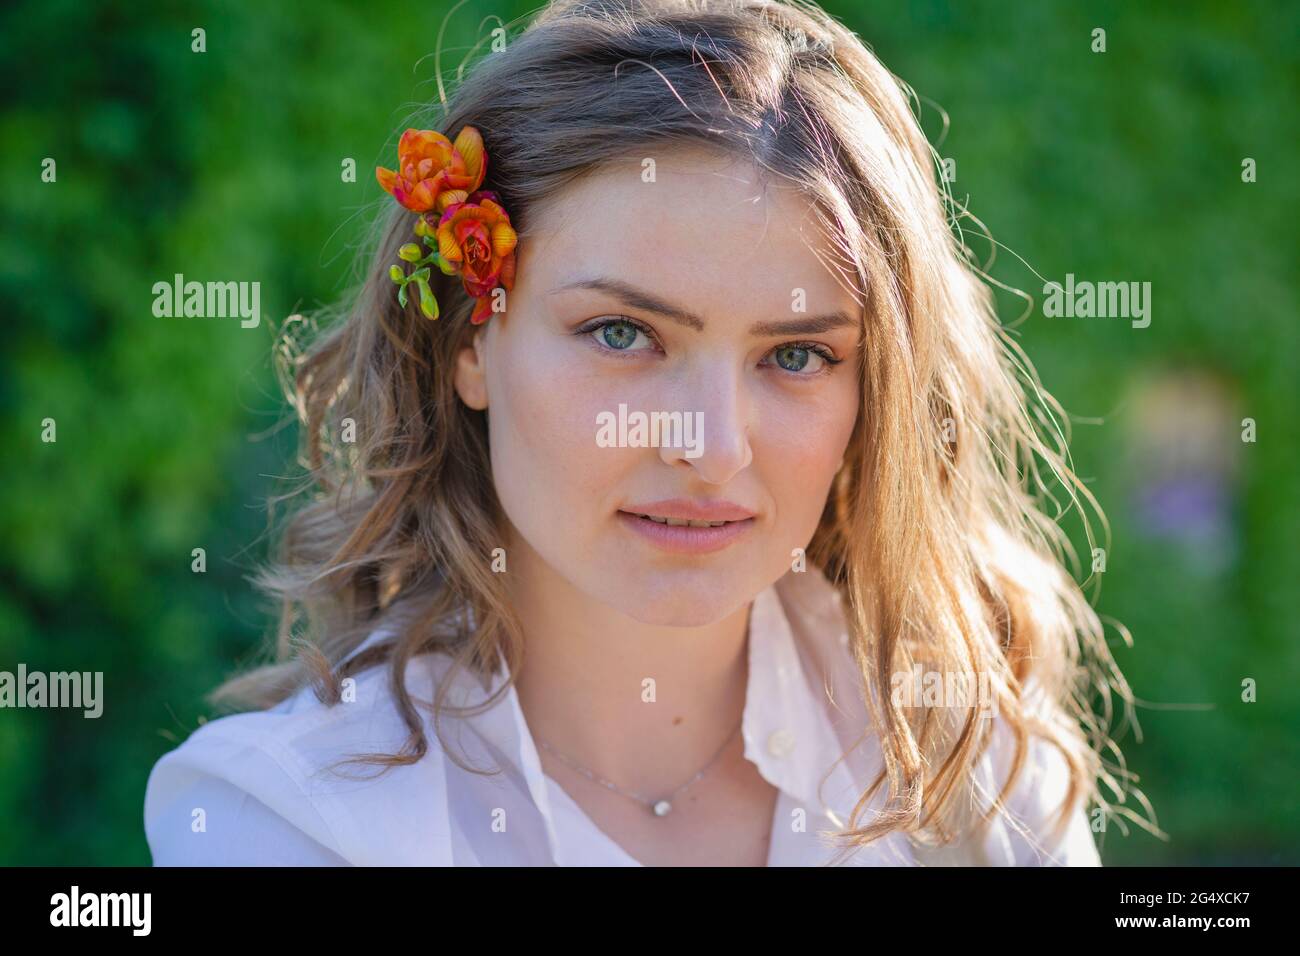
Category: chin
[681,617]
[688,597]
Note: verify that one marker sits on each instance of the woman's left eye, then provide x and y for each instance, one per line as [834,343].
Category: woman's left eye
[796,359]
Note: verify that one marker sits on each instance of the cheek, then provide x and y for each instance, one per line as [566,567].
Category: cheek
[803,441]
[542,420]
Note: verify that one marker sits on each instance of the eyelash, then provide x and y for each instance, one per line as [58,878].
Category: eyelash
[815,347]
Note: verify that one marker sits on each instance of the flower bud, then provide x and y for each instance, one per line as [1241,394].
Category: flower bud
[428,304]
[410,252]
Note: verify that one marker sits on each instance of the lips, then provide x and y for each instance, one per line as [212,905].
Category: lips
[685,527]
[682,522]
[689,509]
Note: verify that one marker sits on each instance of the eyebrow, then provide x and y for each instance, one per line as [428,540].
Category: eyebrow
[648,302]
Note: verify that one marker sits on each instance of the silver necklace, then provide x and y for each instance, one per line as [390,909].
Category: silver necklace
[664,805]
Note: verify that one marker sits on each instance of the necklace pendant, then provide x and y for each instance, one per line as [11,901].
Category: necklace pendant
[662,808]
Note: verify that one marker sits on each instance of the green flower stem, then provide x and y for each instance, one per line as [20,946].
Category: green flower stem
[410,252]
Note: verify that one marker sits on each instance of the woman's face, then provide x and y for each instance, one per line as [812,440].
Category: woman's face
[695,293]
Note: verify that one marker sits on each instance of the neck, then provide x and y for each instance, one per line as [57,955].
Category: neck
[584,683]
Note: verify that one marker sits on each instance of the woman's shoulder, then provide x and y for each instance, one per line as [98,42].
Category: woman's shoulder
[1031,832]
[1037,827]
[1027,834]
[1040,829]
[272,787]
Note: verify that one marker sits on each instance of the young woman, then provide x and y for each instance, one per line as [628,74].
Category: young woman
[680,495]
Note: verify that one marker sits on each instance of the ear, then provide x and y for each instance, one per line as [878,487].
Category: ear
[471,374]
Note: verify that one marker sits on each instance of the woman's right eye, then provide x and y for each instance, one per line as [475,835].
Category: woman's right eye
[620,335]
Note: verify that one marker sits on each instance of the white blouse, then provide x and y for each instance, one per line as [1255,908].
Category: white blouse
[253,788]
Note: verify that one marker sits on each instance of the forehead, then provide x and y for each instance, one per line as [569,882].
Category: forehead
[700,225]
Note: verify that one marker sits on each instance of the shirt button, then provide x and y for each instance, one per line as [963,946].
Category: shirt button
[780,743]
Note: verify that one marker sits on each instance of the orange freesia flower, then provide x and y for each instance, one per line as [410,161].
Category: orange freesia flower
[433,172]
[476,240]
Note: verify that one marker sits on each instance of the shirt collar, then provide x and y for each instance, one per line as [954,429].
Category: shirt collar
[799,670]
[801,677]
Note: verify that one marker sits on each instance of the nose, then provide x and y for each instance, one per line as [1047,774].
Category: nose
[716,408]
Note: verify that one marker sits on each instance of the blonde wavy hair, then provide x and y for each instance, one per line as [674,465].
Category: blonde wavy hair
[936,531]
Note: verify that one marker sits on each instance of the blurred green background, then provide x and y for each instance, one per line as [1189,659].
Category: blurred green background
[1122,165]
